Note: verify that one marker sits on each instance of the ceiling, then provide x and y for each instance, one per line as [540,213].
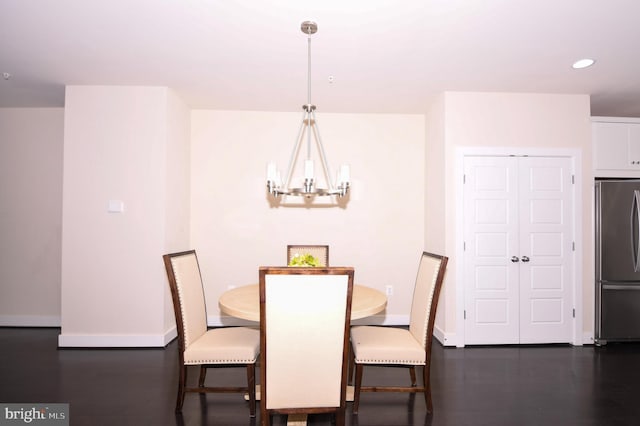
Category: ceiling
[368,56]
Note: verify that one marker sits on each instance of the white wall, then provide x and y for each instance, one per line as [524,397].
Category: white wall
[235,229]
[126,144]
[402,199]
[30,215]
[515,120]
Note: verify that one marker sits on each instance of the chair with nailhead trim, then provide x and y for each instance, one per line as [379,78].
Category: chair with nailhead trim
[305,317]
[399,347]
[320,252]
[199,346]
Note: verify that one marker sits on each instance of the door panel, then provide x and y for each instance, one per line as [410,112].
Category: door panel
[492,311]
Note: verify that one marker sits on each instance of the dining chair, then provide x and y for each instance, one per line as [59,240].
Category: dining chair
[304,336]
[320,252]
[199,346]
[401,347]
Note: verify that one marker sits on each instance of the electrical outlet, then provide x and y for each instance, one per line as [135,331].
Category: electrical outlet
[389,290]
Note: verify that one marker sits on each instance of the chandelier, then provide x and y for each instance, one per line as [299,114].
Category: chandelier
[308,128]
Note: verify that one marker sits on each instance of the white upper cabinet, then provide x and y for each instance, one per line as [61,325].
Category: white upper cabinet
[616,147]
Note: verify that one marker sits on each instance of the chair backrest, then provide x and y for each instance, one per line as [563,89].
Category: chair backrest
[320,252]
[185,281]
[304,330]
[425,297]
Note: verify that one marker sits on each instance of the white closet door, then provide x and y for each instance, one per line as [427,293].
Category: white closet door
[491,239]
[518,261]
[546,239]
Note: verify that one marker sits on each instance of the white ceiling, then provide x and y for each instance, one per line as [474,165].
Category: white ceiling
[385,56]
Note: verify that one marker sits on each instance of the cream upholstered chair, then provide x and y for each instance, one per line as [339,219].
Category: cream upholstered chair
[389,346]
[226,347]
[320,252]
[304,335]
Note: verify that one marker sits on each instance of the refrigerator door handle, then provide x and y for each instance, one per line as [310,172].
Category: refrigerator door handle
[635,230]
[620,287]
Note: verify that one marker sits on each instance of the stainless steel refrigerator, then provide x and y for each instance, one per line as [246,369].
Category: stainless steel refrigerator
[617,260]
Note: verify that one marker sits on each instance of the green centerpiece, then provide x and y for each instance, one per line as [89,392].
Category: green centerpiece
[303,260]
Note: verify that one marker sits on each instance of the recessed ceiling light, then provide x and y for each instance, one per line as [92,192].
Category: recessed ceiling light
[6,75]
[583,63]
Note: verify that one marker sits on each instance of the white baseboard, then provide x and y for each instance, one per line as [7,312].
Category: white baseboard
[587,338]
[66,340]
[116,341]
[449,339]
[446,339]
[170,334]
[30,321]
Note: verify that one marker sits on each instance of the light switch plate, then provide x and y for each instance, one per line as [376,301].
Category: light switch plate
[115,206]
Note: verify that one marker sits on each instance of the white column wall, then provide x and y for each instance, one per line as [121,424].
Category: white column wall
[118,144]
[178,192]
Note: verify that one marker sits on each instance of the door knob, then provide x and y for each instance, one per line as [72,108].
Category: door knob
[515,259]
[525,259]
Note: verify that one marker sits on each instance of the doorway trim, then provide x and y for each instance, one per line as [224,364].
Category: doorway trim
[578,282]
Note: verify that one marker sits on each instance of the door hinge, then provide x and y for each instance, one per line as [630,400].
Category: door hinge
[464,178]
[574,312]
[465,314]
[573,246]
[573,179]
[464,246]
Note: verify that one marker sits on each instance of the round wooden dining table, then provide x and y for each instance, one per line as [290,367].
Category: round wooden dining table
[244,302]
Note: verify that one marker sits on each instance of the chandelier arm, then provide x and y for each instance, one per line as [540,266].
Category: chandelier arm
[323,156]
[308,125]
[296,149]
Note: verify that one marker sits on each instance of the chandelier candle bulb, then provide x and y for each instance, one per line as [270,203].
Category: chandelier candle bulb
[308,169]
[345,174]
[271,172]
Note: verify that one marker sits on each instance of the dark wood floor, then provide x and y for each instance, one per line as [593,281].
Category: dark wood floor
[526,385]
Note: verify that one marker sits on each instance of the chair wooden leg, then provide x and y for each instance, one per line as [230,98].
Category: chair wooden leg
[251,385]
[358,385]
[412,372]
[427,388]
[203,375]
[340,418]
[182,379]
[265,417]
[352,361]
